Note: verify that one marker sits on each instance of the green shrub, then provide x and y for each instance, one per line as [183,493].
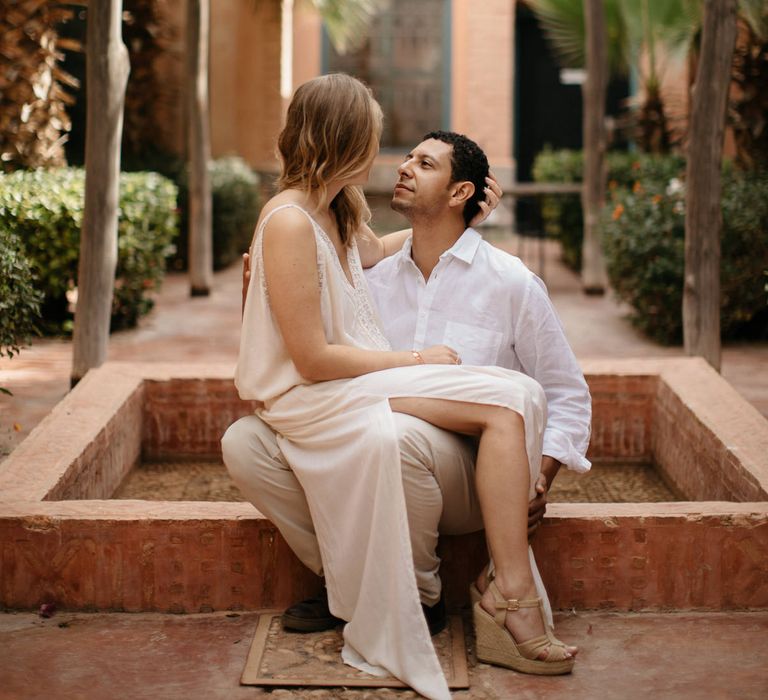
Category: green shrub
[561,214]
[644,243]
[19,300]
[236,206]
[45,210]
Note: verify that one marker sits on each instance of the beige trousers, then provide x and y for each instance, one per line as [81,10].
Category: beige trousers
[438,472]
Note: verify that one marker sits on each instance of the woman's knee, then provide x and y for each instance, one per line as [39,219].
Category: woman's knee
[501,418]
[536,399]
[531,397]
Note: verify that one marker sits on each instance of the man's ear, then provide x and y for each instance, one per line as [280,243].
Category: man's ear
[460,193]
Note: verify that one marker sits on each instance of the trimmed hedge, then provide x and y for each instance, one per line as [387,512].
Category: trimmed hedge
[19,300]
[236,207]
[561,214]
[45,210]
[643,233]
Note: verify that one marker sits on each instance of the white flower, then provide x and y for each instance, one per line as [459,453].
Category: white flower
[675,186]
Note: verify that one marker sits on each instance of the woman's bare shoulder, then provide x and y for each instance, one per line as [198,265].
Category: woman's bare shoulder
[287,227]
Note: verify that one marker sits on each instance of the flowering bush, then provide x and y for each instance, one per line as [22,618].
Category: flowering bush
[643,234]
[562,215]
[44,210]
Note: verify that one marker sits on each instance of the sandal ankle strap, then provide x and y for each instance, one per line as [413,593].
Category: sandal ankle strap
[513,604]
[504,605]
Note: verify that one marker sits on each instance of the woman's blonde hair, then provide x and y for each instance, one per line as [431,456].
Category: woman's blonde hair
[332,128]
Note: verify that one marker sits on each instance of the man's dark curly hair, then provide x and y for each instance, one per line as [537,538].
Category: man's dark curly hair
[468,162]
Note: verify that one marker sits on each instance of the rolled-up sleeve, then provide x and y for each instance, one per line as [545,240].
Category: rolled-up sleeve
[545,355]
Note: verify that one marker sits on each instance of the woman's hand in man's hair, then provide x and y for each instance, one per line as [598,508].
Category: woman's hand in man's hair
[493,193]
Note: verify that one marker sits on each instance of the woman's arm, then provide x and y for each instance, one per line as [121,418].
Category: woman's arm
[373,249]
[290,269]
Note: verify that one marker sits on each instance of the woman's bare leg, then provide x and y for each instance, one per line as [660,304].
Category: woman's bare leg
[503,481]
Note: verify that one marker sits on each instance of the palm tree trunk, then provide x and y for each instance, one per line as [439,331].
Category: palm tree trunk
[593,275]
[703,221]
[107,72]
[199,154]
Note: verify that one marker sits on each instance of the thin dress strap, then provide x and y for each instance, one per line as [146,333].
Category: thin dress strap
[357,289]
[257,247]
[315,225]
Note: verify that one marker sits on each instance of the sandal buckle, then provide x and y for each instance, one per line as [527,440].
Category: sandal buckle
[513,605]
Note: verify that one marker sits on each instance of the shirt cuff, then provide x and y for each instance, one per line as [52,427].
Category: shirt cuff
[558,445]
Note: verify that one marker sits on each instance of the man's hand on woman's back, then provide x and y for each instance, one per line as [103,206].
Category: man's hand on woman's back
[246,276]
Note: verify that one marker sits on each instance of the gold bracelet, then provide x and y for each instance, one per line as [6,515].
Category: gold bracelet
[417,356]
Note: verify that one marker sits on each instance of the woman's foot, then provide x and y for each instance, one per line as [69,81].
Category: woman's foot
[524,623]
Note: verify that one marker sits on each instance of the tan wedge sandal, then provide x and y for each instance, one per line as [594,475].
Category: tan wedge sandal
[495,644]
[474,591]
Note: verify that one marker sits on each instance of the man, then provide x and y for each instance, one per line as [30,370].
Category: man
[446,286]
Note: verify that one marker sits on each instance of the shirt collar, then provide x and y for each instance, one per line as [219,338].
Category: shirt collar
[464,249]
[405,252]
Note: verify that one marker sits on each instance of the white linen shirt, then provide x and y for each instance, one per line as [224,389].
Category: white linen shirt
[490,308]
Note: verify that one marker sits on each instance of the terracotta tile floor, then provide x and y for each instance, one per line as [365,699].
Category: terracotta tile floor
[190,657]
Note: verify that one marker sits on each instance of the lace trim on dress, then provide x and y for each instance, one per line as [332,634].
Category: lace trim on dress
[366,314]
[358,289]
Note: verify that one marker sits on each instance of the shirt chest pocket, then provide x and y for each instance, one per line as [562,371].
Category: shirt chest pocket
[475,345]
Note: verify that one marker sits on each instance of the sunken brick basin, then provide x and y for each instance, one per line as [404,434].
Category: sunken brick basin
[62,539]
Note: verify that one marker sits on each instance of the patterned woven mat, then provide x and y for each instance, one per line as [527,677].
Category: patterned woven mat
[280,658]
[611,483]
[209,481]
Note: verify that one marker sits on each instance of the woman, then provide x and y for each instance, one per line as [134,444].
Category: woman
[312,352]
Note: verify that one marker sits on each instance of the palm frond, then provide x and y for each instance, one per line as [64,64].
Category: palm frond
[563,25]
[347,21]
[755,13]
[649,23]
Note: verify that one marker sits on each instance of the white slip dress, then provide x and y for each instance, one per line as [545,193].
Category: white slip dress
[339,438]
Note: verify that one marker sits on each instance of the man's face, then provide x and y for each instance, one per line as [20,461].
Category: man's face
[424,178]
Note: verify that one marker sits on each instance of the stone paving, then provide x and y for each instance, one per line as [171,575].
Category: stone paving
[685,656]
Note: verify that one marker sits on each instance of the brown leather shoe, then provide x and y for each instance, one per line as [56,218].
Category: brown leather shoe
[310,615]
[314,615]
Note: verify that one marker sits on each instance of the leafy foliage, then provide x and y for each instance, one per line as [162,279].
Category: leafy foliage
[644,243]
[33,98]
[635,30]
[236,207]
[748,105]
[19,300]
[44,209]
[150,39]
[562,214]
[564,26]
[347,21]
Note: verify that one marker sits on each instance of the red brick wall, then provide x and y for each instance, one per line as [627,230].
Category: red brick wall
[622,416]
[187,417]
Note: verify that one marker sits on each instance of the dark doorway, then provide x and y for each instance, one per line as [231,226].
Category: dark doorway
[547,111]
